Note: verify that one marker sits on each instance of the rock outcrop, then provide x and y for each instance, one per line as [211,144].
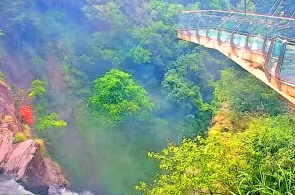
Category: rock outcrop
[25,159]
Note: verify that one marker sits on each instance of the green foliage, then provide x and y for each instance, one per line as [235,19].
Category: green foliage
[124,33]
[213,4]
[271,141]
[37,61]
[1,76]
[50,121]
[260,157]
[161,51]
[114,56]
[109,12]
[164,11]
[186,82]
[198,124]
[43,120]
[191,168]
[38,88]
[186,77]
[284,179]
[75,79]
[246,94]
[180,88]
[19,137]
[117,96]
[51,24]
[140,55]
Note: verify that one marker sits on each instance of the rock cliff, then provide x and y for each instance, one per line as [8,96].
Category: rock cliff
[24,160]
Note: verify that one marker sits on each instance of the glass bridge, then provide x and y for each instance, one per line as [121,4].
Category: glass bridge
[262,44]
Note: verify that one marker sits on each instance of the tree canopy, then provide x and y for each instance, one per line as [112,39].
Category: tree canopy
[38,88]
[120,62]
[117,96]
[248,95]
[260,159]
[45,119]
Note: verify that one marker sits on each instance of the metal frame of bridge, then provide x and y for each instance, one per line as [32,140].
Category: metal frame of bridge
[261,44]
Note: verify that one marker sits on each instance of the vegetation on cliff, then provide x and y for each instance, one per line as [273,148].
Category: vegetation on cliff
[39,117]
[249,149]
[116,96]
[21,156]
[120,62]
[257,158]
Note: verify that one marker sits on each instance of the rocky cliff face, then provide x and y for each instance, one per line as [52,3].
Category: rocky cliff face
[25,159]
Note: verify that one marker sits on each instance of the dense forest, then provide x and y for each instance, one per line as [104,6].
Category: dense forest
[124,107]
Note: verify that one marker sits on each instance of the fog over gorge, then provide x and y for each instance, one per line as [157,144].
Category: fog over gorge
[105,97]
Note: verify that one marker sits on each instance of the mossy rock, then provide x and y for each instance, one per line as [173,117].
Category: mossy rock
[19,137]
[40,144]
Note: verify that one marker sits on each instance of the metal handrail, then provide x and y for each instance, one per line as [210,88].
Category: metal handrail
[238,13]
[279,27]
[273,42]
[233,18]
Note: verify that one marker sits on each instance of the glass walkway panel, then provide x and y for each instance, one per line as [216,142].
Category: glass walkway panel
[262,44]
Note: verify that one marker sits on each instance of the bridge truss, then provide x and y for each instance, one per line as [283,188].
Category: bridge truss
[263,45]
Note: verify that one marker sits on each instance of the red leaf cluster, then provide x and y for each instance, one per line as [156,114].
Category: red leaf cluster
[26,113]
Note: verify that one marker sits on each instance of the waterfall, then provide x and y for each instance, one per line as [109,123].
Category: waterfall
[8,186]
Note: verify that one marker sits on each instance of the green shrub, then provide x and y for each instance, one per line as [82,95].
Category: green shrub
[19,137]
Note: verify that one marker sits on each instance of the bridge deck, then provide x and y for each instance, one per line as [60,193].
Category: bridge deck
[266,51]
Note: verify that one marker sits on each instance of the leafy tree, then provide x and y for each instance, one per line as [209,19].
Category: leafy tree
[164,11]
[107,12]
[19,137]
[246,94]
[197,125]
[37,91]
[140,55]
[181,89]
[44,119]
[125,33]
[240,163]
[188,78]
[17,22]
[38,88]
[271,156]
[157,38]
[50,121]
[117,96]
[52,25]
[200,166]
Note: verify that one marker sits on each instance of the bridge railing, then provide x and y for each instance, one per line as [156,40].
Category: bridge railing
[287,64]
[270,36]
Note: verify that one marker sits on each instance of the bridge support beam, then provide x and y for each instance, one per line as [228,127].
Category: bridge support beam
[249,60]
